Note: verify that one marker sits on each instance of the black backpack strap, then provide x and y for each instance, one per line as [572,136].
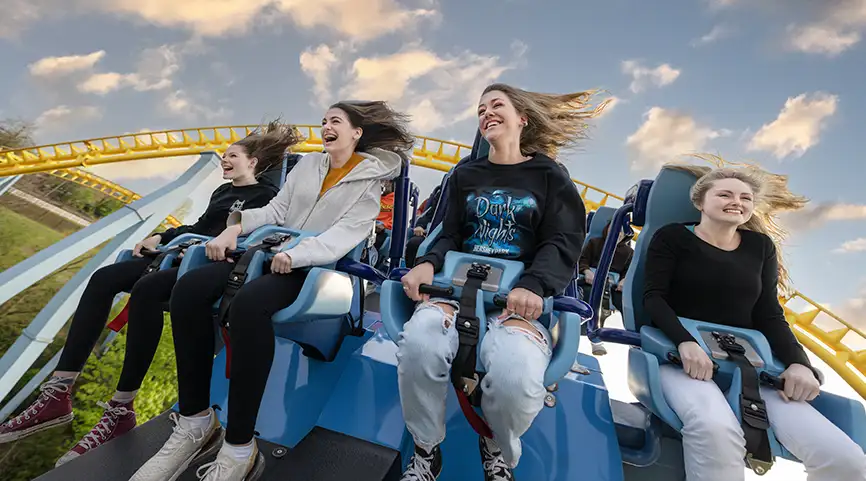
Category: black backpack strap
[753,411]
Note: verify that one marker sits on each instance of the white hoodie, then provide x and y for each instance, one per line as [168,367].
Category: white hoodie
[344,216]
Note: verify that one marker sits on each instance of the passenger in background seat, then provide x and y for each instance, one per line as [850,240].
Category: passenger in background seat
[422,224]
[385,220]
[336,193]
[516,204]
[589,259]
[725,270]
[242,163]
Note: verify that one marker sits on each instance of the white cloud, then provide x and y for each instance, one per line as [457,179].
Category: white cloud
[822,39]
[720,4]
[438,90]
[856,245]
[52,67]
[356,19]
[666,135]
[717,33]
[17,14]
[318,64]
[840,27]
[797,127]
[817,215]
[643,77]
[58,116]
[155,70]
[180,103]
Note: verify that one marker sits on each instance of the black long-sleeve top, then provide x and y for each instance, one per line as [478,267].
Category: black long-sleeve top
[688,277]
[530,212]
[592,254]
[225,199]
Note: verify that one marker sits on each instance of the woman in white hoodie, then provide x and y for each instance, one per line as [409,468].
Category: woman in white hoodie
[336,193]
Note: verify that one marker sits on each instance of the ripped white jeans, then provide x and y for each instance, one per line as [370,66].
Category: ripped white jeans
[515,360]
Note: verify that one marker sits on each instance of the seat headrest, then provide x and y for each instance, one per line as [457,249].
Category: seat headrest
[656,204]
[276,175]
[638,195]
[600,219]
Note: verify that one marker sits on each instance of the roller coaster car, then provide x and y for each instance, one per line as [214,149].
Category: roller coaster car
[656,204]
[168,255]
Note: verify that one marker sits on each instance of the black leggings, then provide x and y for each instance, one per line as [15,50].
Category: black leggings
[148,294]
[252,340]
[412,246]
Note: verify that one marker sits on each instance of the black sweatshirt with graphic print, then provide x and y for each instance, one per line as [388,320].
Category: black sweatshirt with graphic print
[690,278]
[529,212]
[225,199]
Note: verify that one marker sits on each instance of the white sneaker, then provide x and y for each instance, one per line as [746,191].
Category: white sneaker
[185,445]
[598,349]
[229,468]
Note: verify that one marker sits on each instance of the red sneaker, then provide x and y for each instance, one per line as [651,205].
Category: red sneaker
[117,420]
[52,408]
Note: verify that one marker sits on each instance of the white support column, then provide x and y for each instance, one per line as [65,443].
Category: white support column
[125,227]
[7,182]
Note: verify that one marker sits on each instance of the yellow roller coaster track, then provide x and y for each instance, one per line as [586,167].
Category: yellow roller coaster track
[838,343]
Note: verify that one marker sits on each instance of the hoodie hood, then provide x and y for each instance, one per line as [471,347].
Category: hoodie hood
[378,164]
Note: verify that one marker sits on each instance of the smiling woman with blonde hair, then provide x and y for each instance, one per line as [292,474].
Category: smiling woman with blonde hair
[736,240]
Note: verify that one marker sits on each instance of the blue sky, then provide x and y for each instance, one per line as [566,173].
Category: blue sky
[774,82]
[774,85]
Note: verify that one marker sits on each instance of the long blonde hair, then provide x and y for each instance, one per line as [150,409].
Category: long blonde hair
[772,196]
[554,121]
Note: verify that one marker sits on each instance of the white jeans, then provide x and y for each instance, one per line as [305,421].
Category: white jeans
[515,360]
[713,443]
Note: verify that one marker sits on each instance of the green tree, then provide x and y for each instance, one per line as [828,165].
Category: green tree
[15,134]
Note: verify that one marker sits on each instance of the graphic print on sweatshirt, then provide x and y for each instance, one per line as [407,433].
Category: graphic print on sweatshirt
[238,205]
[500,222]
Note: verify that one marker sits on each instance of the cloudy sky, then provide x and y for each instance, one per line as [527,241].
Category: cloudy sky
[775,82]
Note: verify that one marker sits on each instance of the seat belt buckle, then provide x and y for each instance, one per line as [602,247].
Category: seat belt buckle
[478,271]
[187,244]
[728,343]
[469,384]
[274,240]
[758,466]
[236,280]
[754,413]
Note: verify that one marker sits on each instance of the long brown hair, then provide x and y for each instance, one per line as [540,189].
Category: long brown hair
[381,126]
[269,144]
[554,121]
[772,196]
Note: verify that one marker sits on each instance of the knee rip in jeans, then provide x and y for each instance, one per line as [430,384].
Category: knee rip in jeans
[515,324]
[448,309]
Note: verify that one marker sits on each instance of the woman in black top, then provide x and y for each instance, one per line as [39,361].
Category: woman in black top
[589,259]
[724,270]
[518,204]
[242,162]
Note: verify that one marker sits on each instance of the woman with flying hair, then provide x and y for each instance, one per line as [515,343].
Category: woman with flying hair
[736,240]
[518,203]
[336,193]
[243,164]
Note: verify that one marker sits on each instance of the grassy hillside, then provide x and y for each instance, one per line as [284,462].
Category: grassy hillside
[24,460]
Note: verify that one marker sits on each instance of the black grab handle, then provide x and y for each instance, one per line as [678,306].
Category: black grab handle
[435,291]
[765,377]
[675,359]
[500,301]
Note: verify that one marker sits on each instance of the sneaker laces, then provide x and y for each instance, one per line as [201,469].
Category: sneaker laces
[420,469]
[495,463]
[103,428]
[46,391]
[178,436]
[213,469]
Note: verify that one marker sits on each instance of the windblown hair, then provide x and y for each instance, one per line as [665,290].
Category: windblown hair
[554,121]
[381,126]
[269,144]
[772,196]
